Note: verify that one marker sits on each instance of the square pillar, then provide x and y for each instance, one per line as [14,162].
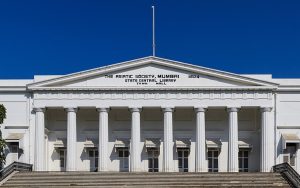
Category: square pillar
[168,140]
[233,147]
[39,162]
[71,139]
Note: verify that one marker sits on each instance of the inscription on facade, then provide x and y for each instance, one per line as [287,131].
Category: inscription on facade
[145,79]
[150,79]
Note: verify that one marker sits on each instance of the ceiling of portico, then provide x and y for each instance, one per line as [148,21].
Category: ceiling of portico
[150,72]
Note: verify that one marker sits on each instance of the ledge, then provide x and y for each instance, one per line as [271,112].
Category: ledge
[288,127]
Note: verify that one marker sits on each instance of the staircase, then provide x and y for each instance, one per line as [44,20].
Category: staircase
[113,180]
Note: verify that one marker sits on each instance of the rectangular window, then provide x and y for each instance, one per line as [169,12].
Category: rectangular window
[290,151]
[96,158]
[123,154]
[213,160]
[62,158]
[93,155]
[183,159]
[243,160]
[13,147]
[153,155]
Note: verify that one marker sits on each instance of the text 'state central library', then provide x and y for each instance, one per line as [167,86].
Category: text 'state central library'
[152,115]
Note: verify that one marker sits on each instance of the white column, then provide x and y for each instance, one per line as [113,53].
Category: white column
[135,153]
[168,140]
[201,165]
[71,139]
[233,148]
[39,162]
[103,139]
[267,140]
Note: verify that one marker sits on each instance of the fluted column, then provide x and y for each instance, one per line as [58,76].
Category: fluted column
[71,139]
[266,158]
[103,139]
[233,148]
[135,153]
[39,162]
[201,165]
[168,140]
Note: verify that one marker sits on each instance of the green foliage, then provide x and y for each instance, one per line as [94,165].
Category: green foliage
[2,113]
[2,141]
[2,153]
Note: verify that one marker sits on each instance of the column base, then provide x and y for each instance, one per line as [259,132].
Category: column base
[71,170]
[233,170]
[135,170]
[201,170]
[103,170]
[169,170]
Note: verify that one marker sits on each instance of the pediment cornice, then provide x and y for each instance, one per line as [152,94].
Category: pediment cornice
[53,84]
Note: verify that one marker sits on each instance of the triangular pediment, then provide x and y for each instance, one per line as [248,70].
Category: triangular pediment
[150,72]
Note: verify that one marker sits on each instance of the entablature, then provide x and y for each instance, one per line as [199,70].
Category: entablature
[155,94]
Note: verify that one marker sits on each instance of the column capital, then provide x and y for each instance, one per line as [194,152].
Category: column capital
[39,109]
[102,109]
[167,109]
[265,109]
[200,108]
[233,108]
[135,109]
[71,109]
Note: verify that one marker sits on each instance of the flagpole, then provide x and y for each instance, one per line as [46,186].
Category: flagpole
[153,31]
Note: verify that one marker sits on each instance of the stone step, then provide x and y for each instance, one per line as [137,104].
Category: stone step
[138,177]
[140,182]
[159,186]
[155,180]
[15,179]
[144,175]
[150,173]
[144,184]
[82,180]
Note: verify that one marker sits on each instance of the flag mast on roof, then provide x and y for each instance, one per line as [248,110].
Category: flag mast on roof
[153,31]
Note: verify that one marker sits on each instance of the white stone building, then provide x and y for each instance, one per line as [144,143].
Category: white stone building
[152,114]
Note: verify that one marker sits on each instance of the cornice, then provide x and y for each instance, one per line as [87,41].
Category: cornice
[239,88]
[13,88]
[289,88]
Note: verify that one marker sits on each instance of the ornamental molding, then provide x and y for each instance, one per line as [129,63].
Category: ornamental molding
[155,95]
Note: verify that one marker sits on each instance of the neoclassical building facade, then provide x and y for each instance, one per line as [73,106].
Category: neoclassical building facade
[152,115]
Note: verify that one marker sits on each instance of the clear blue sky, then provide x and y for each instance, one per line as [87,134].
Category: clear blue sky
[65,36]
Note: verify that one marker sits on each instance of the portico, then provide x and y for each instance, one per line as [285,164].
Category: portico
[203,120]
[137,129]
